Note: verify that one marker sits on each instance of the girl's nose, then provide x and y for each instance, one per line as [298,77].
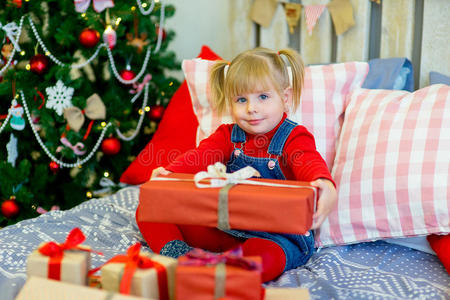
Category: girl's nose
[251,106]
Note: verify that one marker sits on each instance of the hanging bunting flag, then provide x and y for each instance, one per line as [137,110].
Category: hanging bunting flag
[263,11]
[312,14]
[292,11]
[342,14]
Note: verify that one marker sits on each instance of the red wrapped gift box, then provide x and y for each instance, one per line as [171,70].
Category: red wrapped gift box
[287,207]
[202,275]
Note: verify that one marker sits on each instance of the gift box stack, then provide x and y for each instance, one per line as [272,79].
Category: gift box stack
[66,266]
[229,201]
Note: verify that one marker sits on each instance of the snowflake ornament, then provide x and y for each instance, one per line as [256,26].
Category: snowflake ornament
[59,97]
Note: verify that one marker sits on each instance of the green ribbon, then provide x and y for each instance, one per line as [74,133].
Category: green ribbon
[220,279]
[223,219]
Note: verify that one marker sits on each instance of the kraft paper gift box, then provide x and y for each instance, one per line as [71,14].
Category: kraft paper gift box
[212,277]
[286,207]
[152,277]
[37,288]
[286,294]
[68,261]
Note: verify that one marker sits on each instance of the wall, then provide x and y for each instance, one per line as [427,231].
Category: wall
[221,24]
[416,29]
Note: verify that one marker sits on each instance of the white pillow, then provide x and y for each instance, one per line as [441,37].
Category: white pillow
[392,167]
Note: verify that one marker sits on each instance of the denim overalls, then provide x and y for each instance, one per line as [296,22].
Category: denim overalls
[298,248]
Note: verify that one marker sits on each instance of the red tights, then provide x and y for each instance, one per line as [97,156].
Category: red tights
[212,239]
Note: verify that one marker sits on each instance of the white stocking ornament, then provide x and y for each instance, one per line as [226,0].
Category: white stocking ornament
[11,147]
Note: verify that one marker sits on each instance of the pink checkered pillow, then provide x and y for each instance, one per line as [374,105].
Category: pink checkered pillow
[392,166]
[321,109]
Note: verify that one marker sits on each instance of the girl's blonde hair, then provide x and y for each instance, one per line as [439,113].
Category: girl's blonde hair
[259,67]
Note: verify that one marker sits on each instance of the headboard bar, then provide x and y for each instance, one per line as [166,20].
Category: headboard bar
[418,30]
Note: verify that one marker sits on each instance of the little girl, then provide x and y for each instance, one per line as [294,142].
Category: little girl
[255,88]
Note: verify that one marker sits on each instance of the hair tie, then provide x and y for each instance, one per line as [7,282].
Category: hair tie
[290,75]
[225,70]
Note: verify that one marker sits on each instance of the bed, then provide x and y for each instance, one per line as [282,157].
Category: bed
[359,270]
[372,270]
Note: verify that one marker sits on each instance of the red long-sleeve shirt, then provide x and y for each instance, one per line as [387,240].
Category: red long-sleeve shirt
[299,161]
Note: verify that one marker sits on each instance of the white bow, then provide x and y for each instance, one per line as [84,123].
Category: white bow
[81,6]
[219,177]
[12,32]
[107,186]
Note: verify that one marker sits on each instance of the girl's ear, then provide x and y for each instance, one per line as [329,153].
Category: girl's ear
[287,98]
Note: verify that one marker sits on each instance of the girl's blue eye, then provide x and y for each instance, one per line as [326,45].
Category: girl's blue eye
[241,100]
[263,96]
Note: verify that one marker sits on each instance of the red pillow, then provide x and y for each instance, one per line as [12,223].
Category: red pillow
[176,134]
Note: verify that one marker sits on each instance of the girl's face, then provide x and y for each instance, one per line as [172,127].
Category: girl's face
[260,111]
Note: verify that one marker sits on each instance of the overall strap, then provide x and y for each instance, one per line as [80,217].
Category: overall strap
[237,134]
[280,137]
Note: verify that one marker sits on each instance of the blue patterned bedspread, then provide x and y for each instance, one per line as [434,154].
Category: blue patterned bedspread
[376,270]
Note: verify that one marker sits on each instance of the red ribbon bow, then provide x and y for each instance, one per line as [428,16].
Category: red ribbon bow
[133,261]
[234,257]
[56,251]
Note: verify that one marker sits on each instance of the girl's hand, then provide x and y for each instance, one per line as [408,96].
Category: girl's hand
[159,171]
[326,202]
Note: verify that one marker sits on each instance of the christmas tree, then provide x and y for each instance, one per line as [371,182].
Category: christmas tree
[82,88]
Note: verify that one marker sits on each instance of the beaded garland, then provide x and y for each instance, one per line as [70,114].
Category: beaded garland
[90,59]
[47,152]
[97,144]
[78,66]
[5,122]
[14,49]
[143,11]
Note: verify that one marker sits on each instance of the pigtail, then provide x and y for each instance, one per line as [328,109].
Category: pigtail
[217,84]
[298,73]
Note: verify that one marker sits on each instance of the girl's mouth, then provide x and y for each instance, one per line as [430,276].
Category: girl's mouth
[254,121]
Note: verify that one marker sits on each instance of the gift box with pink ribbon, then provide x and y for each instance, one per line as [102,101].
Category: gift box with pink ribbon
[141,274]
[206,275]
[68,261]
[228,201]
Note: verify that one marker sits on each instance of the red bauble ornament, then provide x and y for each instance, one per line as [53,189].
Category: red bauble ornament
[54,167]
[164,34]
[10,208]
[39,64]
[127,74]
[111,146]
[156,112]
[16,3]
[89,37]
